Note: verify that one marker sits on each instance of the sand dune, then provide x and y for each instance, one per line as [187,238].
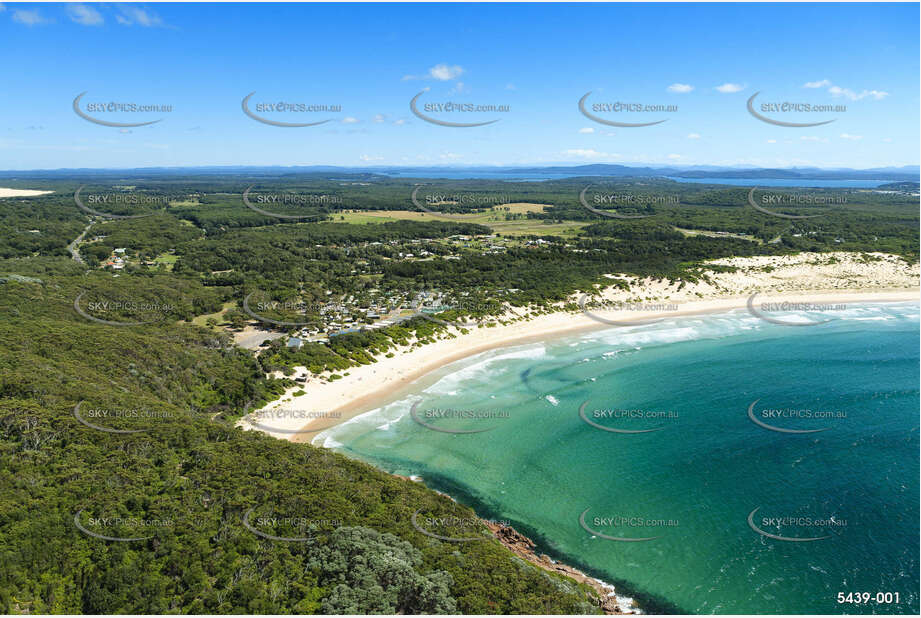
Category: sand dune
[21,192]
[838,278]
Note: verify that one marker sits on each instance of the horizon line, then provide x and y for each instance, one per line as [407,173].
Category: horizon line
[907,167]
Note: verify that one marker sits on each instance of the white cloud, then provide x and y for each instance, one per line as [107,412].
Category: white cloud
[349,120]
[441,72]
[888,140]
[588,153]
[458,88]
[131,15]
[586,130]
[818,84]
[450,156]
[680,88]
[28,18]
[444,72]
[837,91]
[365,157]
[400,122]
[849,136]
[729,87]
[84,15]
[772,141]
[379,118]
[813,138]
[2,7]
[693,135]
[674,156]
[510,87]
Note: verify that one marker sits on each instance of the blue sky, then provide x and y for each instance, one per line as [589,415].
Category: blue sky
[537,59]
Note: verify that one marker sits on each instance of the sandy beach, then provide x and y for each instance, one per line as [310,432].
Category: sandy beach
[21,192]
[814,279]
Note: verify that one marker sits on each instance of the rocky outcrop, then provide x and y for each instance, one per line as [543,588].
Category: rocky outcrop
[523,547]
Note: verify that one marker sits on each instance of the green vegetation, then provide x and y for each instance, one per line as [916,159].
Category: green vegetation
[190,477]
[146,349]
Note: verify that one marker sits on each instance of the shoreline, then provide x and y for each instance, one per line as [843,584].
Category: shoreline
[607,596]
[608,600]
[369,387]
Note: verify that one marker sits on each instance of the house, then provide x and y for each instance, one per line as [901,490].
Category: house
[295,342]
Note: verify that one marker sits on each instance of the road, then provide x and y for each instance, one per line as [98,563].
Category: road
[72,247]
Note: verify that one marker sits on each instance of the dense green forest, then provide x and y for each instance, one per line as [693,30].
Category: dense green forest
[185,479]
[118,402]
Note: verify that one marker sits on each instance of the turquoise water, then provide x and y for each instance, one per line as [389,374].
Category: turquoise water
[694,481]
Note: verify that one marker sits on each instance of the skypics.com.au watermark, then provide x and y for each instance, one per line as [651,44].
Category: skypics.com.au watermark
[599,203]
[90,202]
[429,417]
[286,313]
[796,528]
[288,529]
[105,310]
[623,313]
[772,419]
[452,528]
[114,113]
[435,199]
[767,202]
[290,421]
[799,310]
[287,205]
[594,111]
[462,307]
[615,527]
[633,416]
[771,111]
[130,420]
[279,113]
[118,528]
[453,107]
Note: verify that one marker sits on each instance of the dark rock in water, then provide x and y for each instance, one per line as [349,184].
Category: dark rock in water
[523,547]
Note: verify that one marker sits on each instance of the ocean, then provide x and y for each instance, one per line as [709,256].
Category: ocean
[660,458]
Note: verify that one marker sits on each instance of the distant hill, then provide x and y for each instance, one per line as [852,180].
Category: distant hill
[901,186]
[895,174]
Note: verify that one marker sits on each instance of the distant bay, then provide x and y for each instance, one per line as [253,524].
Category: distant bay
[537,176]
[786,182]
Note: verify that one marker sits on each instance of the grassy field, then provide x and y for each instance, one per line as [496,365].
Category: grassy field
[494,218]
[712,234]
[166,260]
[201,320]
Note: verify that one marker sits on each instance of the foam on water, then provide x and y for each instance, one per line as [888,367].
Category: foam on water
[483,366]
[708,469]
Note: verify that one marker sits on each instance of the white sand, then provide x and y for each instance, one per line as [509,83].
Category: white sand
[21,192]
[806,278]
